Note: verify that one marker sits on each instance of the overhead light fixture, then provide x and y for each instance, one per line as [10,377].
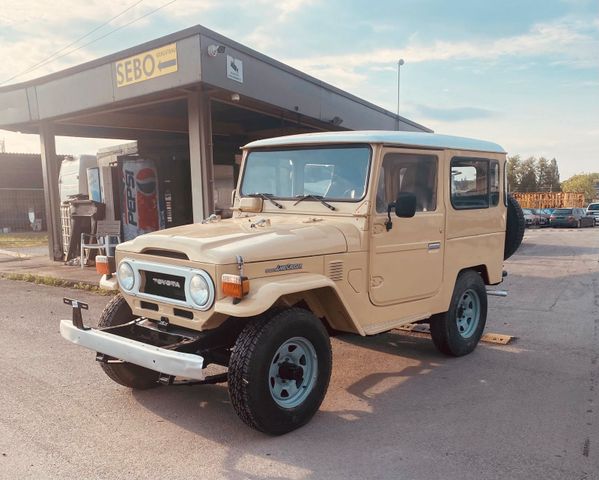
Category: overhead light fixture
[336,120]
[235,97]
[214,50]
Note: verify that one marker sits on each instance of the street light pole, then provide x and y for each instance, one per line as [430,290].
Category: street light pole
[399,64]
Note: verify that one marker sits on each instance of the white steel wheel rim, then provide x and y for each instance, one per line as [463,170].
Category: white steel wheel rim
[468,313]
[293,371]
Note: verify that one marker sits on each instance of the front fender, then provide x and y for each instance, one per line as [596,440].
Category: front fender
[264,292]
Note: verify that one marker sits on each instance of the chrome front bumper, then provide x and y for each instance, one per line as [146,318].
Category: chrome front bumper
[162,359]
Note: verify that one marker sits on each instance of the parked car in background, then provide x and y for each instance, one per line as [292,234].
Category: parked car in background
[593,211]
[571,217]
[530,217]
[542,216]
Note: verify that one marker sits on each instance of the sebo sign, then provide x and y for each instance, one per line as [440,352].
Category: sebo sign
[147,65]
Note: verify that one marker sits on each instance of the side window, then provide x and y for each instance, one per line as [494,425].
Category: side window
[469,183]
[494,182]
[408,172]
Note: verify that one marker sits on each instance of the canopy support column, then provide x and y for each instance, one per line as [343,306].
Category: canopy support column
[50,170]
[200,155]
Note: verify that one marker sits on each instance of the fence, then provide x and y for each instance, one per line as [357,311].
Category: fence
[549,199]
[15,204]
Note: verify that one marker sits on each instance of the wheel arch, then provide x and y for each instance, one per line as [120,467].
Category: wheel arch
[326,304]
[482,270]
[314,292]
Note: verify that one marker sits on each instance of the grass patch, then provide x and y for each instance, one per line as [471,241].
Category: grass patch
[23,239]
[57,282]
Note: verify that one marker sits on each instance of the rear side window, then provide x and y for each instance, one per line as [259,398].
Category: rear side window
[471,184]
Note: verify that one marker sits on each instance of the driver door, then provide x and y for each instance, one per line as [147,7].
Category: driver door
[407,260]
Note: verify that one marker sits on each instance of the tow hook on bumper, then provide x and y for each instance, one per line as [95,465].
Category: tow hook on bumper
[120,342]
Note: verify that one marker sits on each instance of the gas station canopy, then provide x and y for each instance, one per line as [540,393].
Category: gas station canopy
[112,97]
[196,91]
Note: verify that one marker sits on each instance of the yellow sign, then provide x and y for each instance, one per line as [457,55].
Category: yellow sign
[147,65]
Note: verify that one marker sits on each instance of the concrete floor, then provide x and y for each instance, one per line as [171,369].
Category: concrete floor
[395,408]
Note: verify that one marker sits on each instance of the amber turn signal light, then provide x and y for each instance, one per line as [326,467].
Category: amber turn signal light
[235,286]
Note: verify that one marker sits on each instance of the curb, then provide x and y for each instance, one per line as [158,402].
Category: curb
[56,282]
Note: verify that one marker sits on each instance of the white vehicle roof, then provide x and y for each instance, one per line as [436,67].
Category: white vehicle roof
[408,139]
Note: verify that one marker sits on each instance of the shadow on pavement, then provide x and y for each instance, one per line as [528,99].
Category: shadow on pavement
[361,410]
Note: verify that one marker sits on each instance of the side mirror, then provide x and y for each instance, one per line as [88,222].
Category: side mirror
[405,207]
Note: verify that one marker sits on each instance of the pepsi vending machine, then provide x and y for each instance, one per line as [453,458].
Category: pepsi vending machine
[142,210]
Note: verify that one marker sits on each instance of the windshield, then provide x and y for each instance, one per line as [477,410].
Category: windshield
[562,211]
[336,173]
[593,206]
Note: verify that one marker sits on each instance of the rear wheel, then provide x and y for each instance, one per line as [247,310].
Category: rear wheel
[279,370]
[129,375]
[458,331]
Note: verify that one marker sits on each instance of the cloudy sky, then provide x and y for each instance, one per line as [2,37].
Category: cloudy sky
[524,74]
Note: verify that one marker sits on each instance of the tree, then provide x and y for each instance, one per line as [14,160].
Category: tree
[532,175]
[542,174]
[582,183]
[528,175]
[513,166]
[552,180]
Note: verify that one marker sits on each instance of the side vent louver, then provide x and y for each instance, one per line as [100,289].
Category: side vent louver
[336,270]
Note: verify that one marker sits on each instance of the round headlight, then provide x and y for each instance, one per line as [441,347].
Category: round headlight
[199,289]
[126,276]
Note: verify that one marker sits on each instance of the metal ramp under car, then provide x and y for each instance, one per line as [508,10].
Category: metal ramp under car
[421,329]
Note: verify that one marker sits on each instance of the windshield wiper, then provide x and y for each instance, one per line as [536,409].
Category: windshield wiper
[266,196]
[320,198]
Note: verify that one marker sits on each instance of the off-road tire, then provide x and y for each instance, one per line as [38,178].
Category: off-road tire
[515,226]
[251,359]
[118,312]
[443,326]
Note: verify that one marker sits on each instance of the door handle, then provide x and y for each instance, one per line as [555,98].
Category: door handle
[434,246]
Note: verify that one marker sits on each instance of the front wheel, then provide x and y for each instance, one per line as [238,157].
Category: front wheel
[129,375]
[279,370]
[458,331]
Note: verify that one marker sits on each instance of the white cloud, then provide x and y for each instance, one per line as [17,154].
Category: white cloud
[25,53]
[38,32]
[566,40]
[286,7]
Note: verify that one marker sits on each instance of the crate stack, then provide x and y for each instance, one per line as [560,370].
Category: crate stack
[550,199]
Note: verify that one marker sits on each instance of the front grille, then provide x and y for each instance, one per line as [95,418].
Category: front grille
[164,285]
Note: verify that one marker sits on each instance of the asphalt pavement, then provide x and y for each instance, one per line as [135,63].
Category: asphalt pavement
[395,408]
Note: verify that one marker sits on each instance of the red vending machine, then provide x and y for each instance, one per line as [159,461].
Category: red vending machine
[142,210]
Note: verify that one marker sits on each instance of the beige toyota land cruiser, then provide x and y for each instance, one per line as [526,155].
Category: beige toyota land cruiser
[357,232]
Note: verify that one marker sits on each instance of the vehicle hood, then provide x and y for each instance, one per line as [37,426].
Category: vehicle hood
[256,239]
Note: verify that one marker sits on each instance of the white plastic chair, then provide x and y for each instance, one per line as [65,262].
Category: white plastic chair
[106,238]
